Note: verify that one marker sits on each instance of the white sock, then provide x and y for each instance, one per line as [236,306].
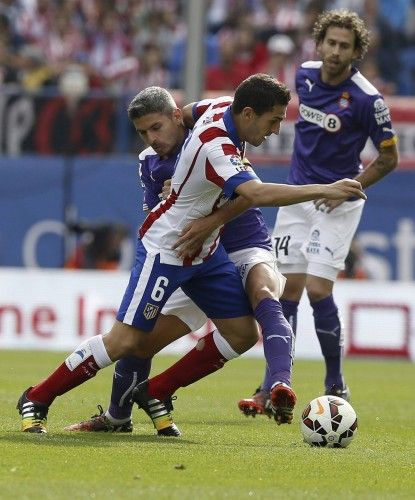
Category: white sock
[89,347]
[223,346]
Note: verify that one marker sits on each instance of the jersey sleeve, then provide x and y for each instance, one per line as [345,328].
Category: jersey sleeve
[150,194]
[199,108]
[225,168]
[377,120]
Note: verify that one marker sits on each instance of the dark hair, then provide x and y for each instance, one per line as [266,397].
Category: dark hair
[343,19]
[151,100]
[260,92]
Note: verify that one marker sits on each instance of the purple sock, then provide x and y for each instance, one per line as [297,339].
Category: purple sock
[329,333]
[128,372]
[289,309]
[277,339]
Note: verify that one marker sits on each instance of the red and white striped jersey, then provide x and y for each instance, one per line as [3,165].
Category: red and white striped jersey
[208,170]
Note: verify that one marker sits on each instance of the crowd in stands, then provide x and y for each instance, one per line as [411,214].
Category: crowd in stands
[122,46]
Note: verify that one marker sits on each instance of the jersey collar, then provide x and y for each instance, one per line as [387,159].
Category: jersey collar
[230,127]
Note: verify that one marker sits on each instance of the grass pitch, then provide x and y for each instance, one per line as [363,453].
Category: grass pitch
[222,454]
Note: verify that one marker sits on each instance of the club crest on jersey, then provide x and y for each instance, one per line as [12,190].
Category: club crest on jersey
[207,120]
[150,311]
[344,100]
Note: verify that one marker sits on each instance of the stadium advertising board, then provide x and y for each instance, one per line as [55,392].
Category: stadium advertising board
[98,124]
[56,310]
[36,194]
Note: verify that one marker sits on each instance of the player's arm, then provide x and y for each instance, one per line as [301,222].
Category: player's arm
[197,231]
[188,117]
[382,165]
[266,194]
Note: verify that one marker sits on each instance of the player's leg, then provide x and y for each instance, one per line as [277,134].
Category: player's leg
[330,238]
[220,294]
[259,402]
[179,317]
[328,328]
[136,316]
[81,365]
[287,239]
[264,285]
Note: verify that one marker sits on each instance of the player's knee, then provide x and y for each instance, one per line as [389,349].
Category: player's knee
[243,339]
[261,293]
[122,340]
[316,293]
[249,338]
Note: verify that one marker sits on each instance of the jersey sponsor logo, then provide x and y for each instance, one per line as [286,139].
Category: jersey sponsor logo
[382,114]
[235,160]
[150,311]
[239,165]
[315,235]
[242,270]
[310,84]
[329,121]
[314,245]
[77,357]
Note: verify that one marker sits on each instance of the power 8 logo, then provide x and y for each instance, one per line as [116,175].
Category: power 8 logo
[332,123]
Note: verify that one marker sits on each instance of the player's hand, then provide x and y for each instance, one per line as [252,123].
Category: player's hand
[193,236]
[166,189]
[326,205]
[344,189]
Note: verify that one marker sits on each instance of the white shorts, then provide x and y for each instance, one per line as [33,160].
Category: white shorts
[181,306]
[247,258]
[309,241]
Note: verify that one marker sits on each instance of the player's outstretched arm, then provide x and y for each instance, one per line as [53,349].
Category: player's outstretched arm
[196,232]
[263,195]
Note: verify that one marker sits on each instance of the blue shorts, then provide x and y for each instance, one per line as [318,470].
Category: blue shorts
[215,286]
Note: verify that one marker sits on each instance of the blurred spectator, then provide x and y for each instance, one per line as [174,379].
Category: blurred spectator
[230,71]
[249,49]
[151,70]
[304,36]
[109,52]
[370,70]
[34,72]
[280,61]
[125,42]
[392,26]
[99,246]
[278,16]
[34,19]
[63,45]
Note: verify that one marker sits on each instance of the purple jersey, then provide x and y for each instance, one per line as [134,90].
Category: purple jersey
[334,125]
[153,172]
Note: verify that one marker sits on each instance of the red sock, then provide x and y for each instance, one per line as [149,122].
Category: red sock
[63,380]
[196,364]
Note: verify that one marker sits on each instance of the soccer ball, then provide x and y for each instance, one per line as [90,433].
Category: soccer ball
[329,421]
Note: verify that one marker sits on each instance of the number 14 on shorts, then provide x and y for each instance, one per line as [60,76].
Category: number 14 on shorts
[281,244]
